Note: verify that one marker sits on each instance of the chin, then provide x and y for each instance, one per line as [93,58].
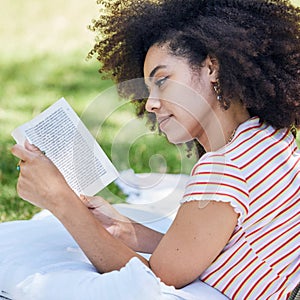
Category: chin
[178,140]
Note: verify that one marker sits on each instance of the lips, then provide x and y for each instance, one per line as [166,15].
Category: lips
[162,120]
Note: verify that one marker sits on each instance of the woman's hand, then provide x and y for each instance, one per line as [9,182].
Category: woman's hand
[136,236]
[40,182]
[104,212]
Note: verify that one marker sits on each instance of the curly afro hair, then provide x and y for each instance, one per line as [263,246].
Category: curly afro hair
[256,43]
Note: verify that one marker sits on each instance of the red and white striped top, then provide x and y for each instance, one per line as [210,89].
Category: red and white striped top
[258,172]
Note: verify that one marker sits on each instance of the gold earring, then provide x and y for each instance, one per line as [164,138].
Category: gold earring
[217,88]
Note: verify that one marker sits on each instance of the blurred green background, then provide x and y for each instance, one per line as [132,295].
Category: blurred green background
[42,58]
[43,52]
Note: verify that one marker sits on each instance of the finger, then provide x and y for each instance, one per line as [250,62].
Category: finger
[31,147]
[20,152]
[85,200]
[91,202]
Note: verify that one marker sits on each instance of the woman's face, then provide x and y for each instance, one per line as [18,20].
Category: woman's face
[182,99]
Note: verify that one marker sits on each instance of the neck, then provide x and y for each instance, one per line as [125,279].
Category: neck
[221,130]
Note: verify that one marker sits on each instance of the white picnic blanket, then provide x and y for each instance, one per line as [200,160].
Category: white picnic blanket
[39,260]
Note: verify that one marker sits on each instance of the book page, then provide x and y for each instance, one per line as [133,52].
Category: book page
[67,142]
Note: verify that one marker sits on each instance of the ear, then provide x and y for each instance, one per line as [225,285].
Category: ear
[213,66]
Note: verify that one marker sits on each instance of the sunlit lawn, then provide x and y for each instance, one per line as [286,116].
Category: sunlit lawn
[42,58]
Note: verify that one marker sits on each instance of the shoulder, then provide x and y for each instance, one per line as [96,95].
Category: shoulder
[217,178]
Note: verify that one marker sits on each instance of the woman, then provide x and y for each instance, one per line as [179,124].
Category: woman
[223,73]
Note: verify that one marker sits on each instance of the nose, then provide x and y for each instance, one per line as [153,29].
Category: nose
[153,103]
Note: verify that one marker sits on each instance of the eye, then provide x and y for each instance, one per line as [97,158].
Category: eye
[161,81]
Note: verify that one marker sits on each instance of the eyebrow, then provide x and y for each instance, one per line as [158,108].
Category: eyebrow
[156,69]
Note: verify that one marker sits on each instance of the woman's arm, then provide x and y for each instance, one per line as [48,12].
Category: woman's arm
[195,239]
[136,236]
[41,183]
[106,252]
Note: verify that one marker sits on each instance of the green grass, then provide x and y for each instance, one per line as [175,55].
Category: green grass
[42,58]
[34,83]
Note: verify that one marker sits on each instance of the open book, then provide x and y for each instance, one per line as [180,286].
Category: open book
[67,142]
